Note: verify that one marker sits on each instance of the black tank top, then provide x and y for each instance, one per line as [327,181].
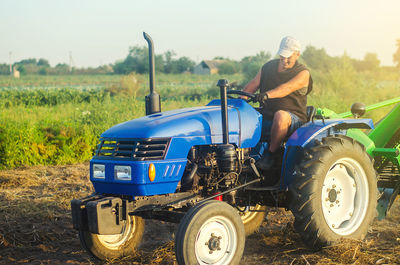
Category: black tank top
[295,102]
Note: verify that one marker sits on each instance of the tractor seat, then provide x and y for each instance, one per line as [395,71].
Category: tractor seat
[311,111]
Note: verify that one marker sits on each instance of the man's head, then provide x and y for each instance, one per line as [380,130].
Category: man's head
[289,52]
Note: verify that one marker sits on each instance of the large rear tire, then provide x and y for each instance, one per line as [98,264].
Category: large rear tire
[334,194]
[106,247]
[210,233]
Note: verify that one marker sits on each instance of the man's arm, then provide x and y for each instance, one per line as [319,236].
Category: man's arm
[299,81]
[253,85]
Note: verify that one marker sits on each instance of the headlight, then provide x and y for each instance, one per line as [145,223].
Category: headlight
[122,172]
[99,171]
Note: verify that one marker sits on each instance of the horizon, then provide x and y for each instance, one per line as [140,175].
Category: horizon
[100,33]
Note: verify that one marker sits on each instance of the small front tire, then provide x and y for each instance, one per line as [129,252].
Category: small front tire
[106,247]
[252,217]
[210,233]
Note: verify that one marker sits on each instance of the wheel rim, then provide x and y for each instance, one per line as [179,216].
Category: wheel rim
[216,241]
[248,213]
[115,241]
[345,196]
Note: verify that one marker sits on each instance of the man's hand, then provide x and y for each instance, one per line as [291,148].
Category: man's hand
[262,97]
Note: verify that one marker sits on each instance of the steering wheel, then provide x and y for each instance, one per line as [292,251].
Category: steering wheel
[251,97]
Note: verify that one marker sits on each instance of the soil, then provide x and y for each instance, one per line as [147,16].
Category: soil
[35,228]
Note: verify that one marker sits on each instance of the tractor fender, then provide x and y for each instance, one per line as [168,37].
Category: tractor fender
[310,131]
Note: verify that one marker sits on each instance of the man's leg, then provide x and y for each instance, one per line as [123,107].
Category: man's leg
[280,127]
[283,123]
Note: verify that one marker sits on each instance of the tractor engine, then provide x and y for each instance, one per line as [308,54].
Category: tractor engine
[217,167]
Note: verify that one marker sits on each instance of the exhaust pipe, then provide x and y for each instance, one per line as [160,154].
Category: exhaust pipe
[223,84]
[153,102]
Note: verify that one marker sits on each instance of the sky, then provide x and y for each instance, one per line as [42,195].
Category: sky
[101,32]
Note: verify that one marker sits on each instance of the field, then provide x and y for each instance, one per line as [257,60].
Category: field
[56,120]
[35,228]
[49,126]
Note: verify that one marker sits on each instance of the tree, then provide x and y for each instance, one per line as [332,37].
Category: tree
[138,61]
[42,71]
[21,68]
[252,64]
[317,59]
[396,55]
[183,64]
[28,61]
[229,67]
[33,66]
[168,61]
[4,69]
[61,68]
[370,63]
[43,62]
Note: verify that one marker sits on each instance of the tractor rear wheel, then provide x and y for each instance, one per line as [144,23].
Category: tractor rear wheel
[334,194]
[210,233]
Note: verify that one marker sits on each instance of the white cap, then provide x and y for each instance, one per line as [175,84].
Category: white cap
[288,46]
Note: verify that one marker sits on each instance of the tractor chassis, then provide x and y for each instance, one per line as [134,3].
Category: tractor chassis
[106,215]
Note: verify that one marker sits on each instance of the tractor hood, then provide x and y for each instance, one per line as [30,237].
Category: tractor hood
[204,122]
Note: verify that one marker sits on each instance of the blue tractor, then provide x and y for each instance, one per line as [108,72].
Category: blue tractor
[196,167]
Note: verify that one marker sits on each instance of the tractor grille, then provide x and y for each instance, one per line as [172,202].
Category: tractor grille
[133,149]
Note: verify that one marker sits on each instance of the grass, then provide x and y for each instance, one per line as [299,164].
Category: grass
[53,126]
[55,120]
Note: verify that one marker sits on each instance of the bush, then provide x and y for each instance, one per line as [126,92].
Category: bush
[10,97]
[229,68]
[43,71]
[130,85]
[252,64]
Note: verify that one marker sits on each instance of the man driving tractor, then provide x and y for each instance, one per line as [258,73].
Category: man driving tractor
[284,84]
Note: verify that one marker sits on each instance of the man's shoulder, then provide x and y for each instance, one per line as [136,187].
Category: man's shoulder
[301,67]
[272,62]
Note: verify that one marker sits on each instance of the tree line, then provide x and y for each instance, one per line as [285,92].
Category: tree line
[137,61]
[42,67]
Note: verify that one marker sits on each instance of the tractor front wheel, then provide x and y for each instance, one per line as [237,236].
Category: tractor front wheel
[210,233]
[105,247]
[334,194]
[252,217]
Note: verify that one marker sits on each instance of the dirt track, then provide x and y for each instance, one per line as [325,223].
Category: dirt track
[35,228]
